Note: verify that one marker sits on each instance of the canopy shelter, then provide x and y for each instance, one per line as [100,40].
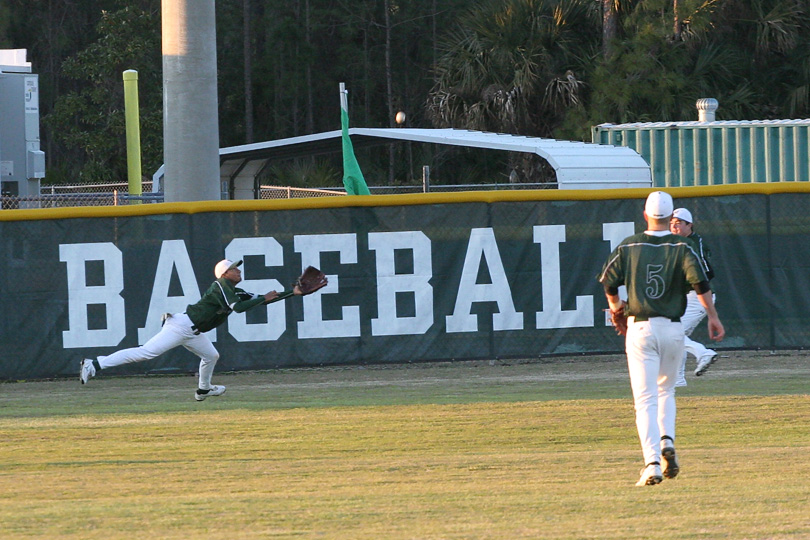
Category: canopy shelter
[577,165]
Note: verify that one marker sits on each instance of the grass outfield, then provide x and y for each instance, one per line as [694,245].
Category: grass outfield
[470,450]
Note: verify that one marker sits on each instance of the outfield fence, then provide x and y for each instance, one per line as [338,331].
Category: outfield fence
[421,277]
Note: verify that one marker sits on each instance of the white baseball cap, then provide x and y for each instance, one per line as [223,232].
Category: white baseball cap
[659,205]
[224,265]
[683,214]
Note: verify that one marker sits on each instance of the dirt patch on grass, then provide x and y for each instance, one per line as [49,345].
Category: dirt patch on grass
[730,364]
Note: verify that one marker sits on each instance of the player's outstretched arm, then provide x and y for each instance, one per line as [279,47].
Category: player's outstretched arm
[274,296]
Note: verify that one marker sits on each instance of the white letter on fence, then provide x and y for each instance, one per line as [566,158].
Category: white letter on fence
[389,283]
[314,326]
[615,233]
[276,313]
[81,295]
[550,237]
[173,254]
[482,244]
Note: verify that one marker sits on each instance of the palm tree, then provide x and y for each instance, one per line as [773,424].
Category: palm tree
[749,54]
[514,66]
[771,38]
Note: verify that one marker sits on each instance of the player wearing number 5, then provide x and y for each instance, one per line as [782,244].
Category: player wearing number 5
[658,268]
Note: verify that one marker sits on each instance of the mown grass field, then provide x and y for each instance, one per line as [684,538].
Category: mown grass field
[470,450]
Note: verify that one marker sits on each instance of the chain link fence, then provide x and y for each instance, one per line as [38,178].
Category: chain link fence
[287,192]
[81,195]
[282,192]
[118,194]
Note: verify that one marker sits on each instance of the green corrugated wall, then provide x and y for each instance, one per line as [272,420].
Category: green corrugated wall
[713,153]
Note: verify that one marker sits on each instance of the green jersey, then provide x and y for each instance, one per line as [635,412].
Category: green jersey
[658,271]
[703,253]
[220,300]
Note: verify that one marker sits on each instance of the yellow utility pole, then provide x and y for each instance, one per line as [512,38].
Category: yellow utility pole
[133,127]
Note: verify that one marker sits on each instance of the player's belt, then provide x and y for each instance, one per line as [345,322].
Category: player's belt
[642,318]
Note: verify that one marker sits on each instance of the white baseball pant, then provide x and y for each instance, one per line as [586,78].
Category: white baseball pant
[176,331]
[691,318]
[654,350]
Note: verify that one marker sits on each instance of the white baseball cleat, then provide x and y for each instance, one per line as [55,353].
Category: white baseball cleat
[650,475]
[705,361]
[681,382]
[671,468]
[86,370]
[215,390]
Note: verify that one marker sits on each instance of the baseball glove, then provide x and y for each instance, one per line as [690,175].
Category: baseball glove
[311,280]
[619,320]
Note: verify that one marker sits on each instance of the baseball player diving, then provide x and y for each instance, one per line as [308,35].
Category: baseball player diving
[188,329]
[682,224]
[658,268]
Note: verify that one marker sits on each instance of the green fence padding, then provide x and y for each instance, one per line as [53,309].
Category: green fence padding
[412,278]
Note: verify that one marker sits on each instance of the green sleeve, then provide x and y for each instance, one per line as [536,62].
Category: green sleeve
[238,299]
[245,305]
[692,268]
[612,274]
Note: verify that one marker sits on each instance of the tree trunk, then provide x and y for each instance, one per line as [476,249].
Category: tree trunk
[389,86]
[247,55]
[434,39]
[610,26]
[677,27]
[310,119]
[368,78]
[296,56]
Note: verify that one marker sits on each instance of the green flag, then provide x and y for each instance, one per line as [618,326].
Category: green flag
[353,179]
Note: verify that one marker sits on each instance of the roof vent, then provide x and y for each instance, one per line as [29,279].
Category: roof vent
[706,108]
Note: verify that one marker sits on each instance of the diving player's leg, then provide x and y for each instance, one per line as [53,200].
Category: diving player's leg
[202,347]
[169,337]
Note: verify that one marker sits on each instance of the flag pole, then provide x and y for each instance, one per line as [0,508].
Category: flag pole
[344,98]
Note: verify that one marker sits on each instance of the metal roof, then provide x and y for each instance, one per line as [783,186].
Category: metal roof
[578,165]
[703,125]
